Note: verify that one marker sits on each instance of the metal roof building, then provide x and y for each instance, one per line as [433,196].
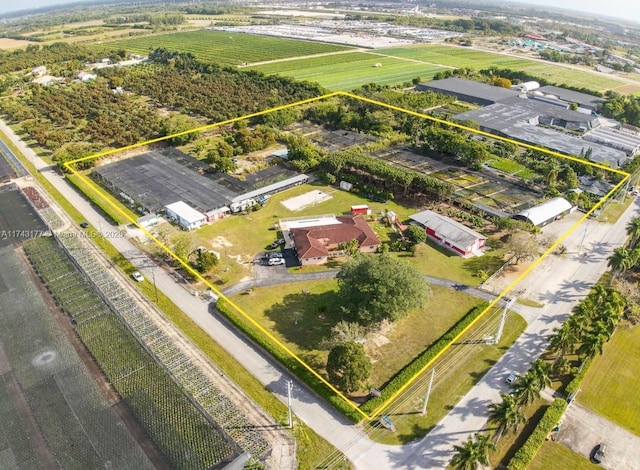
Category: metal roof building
[545,213]
[185,215]
[469,91]
[583,100]
[450,234]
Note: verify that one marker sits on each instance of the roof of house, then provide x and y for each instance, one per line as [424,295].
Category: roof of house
[312,242]
[546,211]
[447,228]
[185,212]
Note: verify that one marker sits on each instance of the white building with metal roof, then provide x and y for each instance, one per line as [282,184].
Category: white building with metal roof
[185,215]
[451,234]
[545,213]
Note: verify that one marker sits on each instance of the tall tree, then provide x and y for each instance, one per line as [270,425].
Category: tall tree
[619,262]
[564,340]
[506,414]
[528,389]
[633,230]
[375,288]
[540,370]
[474,452]
[348,366]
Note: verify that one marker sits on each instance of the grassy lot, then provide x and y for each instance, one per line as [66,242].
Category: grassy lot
[614,209]
[616,372]
[302,321]
[465,57]
[348,71]
[225,47]
[465,365]
[557,456]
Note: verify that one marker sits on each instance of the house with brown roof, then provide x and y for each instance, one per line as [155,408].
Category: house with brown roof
[315,244]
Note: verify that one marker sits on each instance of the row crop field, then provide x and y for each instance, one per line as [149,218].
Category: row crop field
[186,437]
[344,72]
[454,56]
[227,48]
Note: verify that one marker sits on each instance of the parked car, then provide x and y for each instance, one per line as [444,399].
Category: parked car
[276,244]
[84,224]
[511,378]
[598,453]
[276,261]
[137,276]
[275,254]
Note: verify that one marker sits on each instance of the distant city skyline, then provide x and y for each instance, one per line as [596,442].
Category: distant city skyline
[623,9]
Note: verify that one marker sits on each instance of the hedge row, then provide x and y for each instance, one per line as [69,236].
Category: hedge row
[415,366]
[574,385]
[525,455]
[291,364]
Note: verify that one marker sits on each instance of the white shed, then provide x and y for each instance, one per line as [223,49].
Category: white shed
[185,215]
[545,213]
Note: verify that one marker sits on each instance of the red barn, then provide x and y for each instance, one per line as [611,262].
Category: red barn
[451,234]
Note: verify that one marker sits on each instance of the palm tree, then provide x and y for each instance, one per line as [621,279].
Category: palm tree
[619,262]
[633,230]
[472,453]
[506,414]
[592,344]
[540,370]
[564,340]
[527,389]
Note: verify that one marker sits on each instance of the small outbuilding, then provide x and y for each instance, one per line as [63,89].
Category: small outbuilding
[185,215]
[545,213]
[451,234]
[148,220]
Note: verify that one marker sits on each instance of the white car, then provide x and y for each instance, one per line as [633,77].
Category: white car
[137,276]
[511,378]
[276,261]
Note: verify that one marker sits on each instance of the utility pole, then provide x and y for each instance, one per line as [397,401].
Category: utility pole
[289,389]
[426,397]
[503,318]
[153,276]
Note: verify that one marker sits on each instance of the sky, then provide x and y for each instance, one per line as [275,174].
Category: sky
[626,9]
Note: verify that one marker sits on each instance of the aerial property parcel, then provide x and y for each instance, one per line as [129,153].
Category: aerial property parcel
[287,351]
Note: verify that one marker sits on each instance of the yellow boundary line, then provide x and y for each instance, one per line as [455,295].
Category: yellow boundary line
[377,411]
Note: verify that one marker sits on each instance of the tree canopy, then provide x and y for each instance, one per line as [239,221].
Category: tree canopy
[377,288]
[348,366]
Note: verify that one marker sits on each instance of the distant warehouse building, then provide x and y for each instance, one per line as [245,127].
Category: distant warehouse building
[451,234]
[545,213]
[468,91]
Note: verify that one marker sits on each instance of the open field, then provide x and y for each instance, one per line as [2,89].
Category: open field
[465,57]
[226,48]
[302,321]
[613,379]
[6,43]
[348,71]
[557,456]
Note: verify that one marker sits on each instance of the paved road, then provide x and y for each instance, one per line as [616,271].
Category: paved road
[560,285]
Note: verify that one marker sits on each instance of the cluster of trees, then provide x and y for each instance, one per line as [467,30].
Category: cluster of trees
[178,81]
[164,19]
[354,166]
[455,143]
[625,109]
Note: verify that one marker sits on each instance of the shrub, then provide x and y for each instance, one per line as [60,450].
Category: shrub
[525,455]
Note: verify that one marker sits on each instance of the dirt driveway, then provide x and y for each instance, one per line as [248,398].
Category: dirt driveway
[582,430]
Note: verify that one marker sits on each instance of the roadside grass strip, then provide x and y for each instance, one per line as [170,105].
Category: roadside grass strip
[259,329]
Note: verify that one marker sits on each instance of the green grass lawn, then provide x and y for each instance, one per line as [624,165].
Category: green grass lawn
[465,365]
[614,209]
[226,47]
[613,379]
[556,456]
[302,321]
[348,71]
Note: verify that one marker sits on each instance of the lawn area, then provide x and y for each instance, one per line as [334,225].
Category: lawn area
[464,364]
[302,320]
[454,56]
[556,456]
[614,209]
[616,371]
[224,47]
[348,71]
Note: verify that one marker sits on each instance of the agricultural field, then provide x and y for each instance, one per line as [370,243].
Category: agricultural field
[226,48]
[344,72]
[184,435]
[454,56]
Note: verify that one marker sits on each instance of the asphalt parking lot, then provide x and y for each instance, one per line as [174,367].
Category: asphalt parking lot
[261,270]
